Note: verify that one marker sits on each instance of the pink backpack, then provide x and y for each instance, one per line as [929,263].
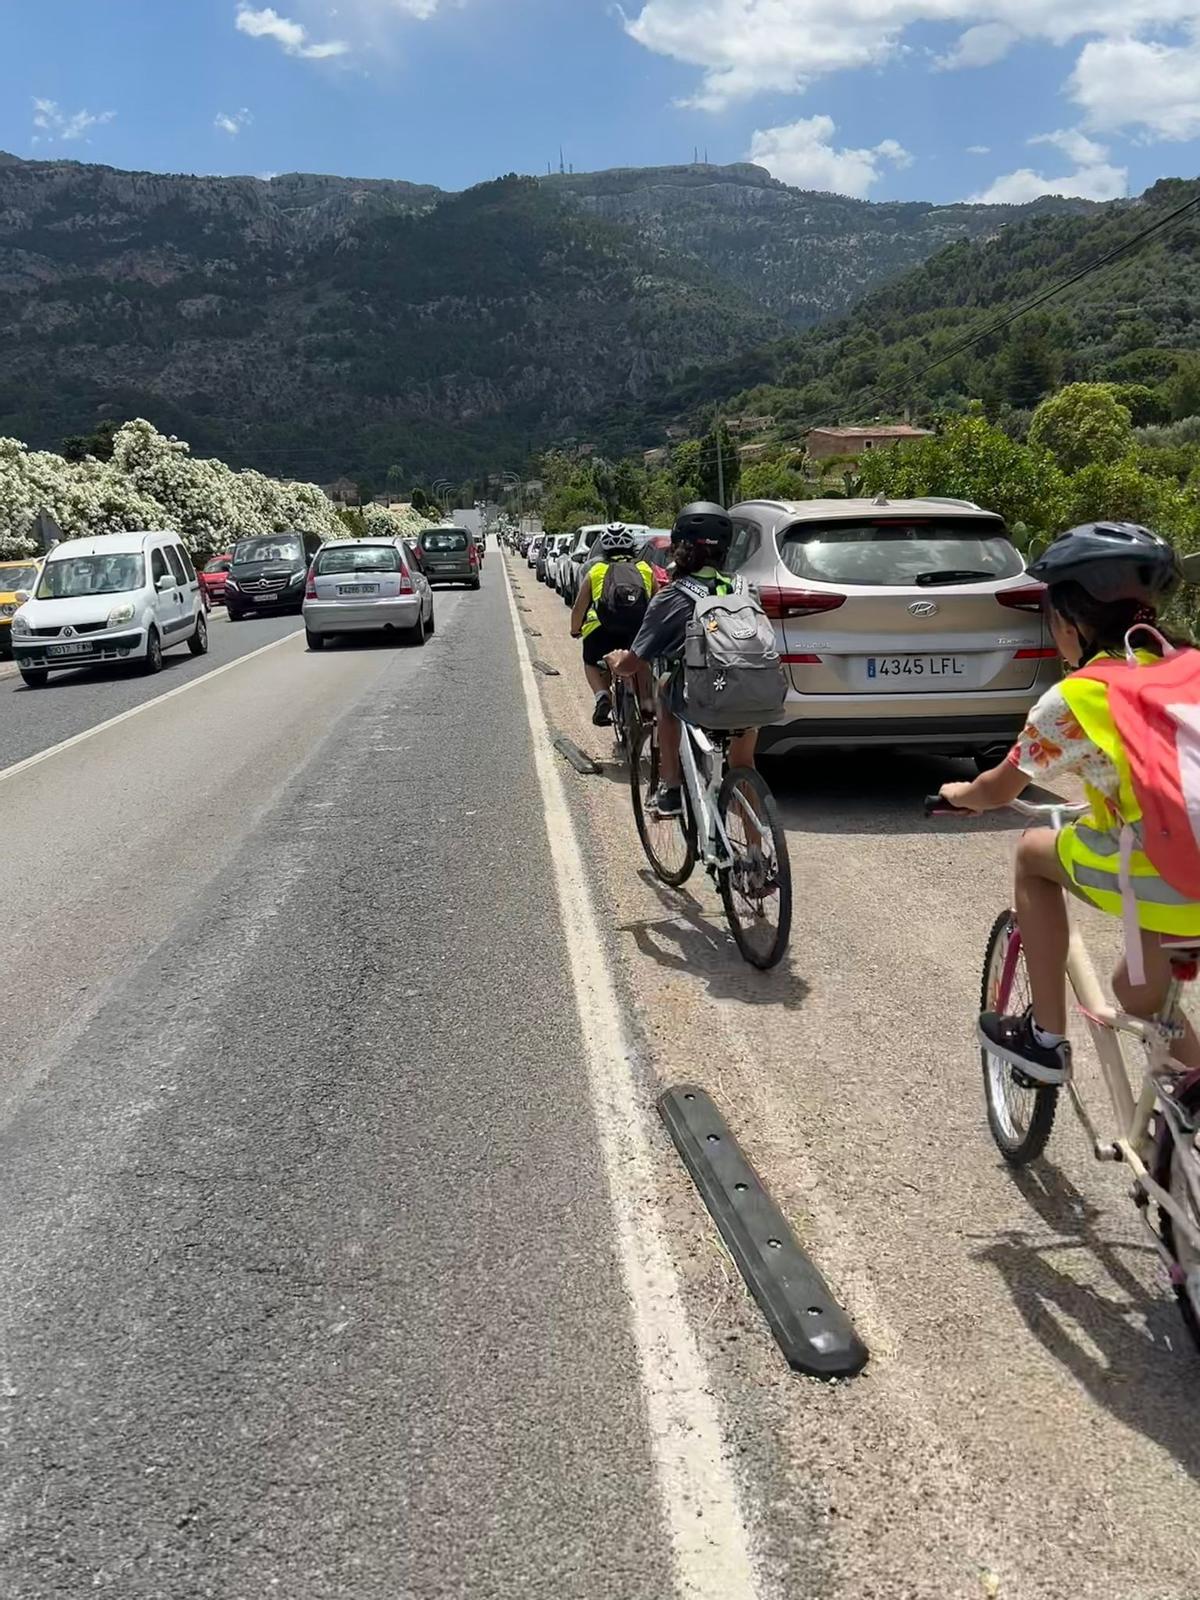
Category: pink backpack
[1155,707]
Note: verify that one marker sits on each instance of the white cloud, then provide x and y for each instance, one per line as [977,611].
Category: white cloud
[802,153]
[292,37]
[1094,177]
[1134,83]
[979,149]
[232,125]
[744,48]
[981,46]
[53,123]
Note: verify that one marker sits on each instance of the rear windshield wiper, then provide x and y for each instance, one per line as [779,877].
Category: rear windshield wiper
[952,575]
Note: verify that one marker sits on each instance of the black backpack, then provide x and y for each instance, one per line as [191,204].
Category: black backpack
[623,599]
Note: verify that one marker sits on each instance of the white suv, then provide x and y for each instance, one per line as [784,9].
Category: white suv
[114,597]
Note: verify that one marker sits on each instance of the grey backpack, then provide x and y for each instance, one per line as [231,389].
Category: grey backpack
[732,675]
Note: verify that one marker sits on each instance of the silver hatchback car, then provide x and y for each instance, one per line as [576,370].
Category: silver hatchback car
[904,623]
[366,585]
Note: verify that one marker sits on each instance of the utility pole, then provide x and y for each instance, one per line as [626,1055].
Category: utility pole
[720,461]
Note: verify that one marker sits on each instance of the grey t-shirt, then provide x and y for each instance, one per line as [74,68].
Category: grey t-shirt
[664,627]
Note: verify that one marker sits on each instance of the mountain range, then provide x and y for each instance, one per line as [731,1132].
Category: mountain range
[315,325]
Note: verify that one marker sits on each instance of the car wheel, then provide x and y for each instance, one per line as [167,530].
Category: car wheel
[35,677]
[432,624]
[415,636]
[152,662]
[198,643]
[315,641]
[234,616]
[474,583]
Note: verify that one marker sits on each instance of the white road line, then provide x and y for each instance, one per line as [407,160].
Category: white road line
[699,1494]
[136,711]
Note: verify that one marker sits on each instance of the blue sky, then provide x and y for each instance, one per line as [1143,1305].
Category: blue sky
[890,99]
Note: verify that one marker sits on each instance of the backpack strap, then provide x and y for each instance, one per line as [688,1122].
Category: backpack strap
[697,590]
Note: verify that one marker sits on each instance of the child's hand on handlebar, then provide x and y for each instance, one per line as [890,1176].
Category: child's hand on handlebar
[962,795]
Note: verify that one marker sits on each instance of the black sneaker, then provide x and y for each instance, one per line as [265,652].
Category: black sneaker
[602,710]
[1011,1038]
[667,802]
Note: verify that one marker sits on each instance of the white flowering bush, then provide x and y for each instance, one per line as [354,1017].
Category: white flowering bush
[154,482]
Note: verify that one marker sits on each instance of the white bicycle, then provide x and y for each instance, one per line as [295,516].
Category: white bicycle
[730,822]
[1157,1133]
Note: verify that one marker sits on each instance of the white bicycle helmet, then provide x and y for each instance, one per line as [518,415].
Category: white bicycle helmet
[616,540]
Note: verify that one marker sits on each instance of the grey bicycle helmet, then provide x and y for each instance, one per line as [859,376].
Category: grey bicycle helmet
[616,540]
[1111,561]
[705,524]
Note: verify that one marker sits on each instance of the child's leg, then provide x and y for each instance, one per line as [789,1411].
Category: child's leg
[1042,918]
[1148,999]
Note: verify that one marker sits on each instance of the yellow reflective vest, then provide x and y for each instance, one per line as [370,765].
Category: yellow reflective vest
[596,578]
[1090,849]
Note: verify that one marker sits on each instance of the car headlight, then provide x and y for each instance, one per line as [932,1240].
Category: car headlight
[230,583]
[19,625]
[120,614]
[297,577]
[7,609]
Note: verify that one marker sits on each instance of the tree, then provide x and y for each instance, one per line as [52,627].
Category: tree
[1081,424]
[98,444]
[1029,367]
[718,466]
[420,500]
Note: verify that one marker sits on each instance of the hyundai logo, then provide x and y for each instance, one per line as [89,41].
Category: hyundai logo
[924,608]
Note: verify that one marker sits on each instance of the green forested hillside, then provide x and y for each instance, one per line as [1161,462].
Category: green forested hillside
[1134,321]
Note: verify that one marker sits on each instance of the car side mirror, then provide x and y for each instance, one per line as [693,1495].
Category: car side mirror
[1189,565]
[165,582]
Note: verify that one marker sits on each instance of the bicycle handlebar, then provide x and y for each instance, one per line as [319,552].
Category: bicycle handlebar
[935,806]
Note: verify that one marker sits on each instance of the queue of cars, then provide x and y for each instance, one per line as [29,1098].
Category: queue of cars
[906,624]
[128,597]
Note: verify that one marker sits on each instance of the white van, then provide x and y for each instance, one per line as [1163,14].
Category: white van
[114,597]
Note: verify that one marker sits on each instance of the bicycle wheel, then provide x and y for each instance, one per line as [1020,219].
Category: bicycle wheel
[1170,1174]
[667,841]
[1020,1112]
[756,890]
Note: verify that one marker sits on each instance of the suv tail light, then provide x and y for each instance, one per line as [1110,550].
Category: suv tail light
[310,588]
[474,554]
[782,603]
[1027,598]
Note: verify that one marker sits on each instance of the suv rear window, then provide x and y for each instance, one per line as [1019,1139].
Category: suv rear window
[453,540]
[922,551]
[358,558]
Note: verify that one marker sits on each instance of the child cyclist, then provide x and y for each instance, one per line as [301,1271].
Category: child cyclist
[1102,581]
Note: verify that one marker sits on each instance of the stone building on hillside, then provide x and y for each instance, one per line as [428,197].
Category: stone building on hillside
[823,444]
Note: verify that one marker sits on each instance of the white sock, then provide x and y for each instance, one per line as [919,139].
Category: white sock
[1047,1040]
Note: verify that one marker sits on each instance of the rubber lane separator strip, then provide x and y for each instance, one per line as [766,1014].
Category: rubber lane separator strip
[578,758]
[543,666]
[812,1330]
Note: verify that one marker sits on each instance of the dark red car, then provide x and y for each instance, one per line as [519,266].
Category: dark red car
[212,578]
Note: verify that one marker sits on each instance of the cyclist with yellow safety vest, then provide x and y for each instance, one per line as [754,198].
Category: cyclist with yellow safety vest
[1103,580]
[613,595]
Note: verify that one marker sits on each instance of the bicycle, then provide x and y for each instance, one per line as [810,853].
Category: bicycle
[730,822]
[1158,1133]
[628,718]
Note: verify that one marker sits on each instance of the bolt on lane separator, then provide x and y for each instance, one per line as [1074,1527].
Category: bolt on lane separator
[812,1330]
[578,758]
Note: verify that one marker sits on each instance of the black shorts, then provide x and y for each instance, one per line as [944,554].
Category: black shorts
[599,643]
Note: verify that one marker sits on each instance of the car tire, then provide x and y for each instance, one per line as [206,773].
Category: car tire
[234,616]
[474,583]
[152,661]
[34,677]
[432,624]
[314,641]
[198,643]
[415,636]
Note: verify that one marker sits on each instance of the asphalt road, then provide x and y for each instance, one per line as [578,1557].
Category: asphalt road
[340,1254]
[34,719]
[309,1281]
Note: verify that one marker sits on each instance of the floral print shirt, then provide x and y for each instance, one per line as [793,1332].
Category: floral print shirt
[1052,742]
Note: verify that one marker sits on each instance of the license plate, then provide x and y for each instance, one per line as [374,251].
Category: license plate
[265,599]
[80,649]
[358,588]
[937,669]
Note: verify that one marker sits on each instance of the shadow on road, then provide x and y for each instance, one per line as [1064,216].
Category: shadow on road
[1134,1356]
[833,791]
[684,940]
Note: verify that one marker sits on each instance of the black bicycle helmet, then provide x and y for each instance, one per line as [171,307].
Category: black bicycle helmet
[1112,561]
[704,523]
